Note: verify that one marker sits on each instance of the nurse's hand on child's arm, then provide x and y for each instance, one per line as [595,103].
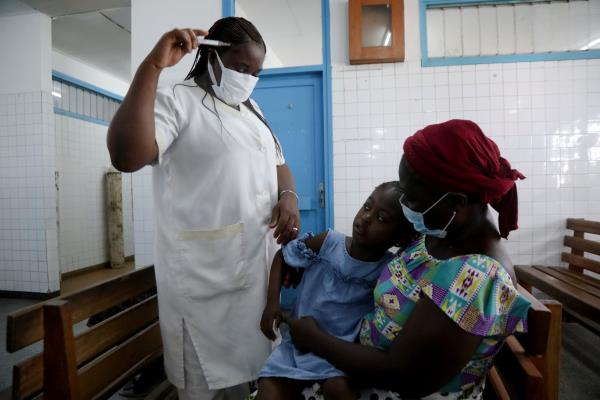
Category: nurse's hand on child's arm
[173,45]
[285,218]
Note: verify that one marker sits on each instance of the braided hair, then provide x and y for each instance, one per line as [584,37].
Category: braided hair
[233,30]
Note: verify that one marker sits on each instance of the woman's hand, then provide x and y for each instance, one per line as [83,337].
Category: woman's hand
[271,315]
[172,46]
[285,218]
[304,331]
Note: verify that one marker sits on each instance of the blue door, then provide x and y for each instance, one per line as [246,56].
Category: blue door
[293,106]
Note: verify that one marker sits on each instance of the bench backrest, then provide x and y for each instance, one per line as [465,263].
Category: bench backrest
[527,365]
[580,245]
[28,326]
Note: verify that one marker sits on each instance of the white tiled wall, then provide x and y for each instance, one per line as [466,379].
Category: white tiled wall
[544,116]
[28,231]
[82,161]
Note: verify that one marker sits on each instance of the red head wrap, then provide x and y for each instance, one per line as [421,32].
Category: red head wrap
[456,156]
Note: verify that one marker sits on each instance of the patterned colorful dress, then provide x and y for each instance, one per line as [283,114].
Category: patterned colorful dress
[475,291]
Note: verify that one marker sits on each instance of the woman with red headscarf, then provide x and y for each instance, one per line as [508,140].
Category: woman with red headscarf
[445,304]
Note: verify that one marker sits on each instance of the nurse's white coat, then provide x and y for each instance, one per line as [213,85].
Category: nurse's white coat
[215,186]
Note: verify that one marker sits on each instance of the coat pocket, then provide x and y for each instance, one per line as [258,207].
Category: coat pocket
[212,261]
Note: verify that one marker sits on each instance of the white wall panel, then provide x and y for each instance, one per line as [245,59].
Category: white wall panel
[452,33]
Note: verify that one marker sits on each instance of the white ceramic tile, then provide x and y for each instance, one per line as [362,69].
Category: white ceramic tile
[529,109]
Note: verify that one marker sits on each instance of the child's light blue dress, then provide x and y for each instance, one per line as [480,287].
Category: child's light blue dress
[336,290]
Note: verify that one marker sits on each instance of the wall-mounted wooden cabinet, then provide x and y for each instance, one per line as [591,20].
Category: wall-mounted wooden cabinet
[376,31]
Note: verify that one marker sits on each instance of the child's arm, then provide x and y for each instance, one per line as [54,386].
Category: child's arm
[272,311]
[281,274]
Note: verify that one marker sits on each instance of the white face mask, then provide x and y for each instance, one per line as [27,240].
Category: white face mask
[235,87]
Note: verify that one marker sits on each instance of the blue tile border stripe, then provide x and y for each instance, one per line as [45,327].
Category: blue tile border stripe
[74,81]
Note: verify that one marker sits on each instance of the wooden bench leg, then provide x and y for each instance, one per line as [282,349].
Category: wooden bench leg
[60,366]
[549,364]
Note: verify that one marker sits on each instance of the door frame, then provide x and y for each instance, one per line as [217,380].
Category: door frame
[228,9]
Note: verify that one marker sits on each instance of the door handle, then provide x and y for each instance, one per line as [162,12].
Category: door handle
[321,195]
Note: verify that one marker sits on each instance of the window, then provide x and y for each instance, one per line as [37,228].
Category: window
[487,31]
[82,101]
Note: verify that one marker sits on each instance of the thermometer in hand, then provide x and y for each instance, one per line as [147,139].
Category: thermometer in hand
[211,42]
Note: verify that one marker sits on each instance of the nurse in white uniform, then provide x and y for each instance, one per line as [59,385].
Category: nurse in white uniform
[220,188]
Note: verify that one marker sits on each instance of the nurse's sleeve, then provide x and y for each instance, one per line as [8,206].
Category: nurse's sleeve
[279,154]
[166,119]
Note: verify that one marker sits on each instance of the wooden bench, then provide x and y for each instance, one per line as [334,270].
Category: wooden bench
[527,366]
[579,292]
[98,361]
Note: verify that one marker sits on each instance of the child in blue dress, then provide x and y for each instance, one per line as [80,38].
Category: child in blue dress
[336,289]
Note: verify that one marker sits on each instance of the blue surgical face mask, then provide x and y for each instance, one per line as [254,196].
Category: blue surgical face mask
[418,219]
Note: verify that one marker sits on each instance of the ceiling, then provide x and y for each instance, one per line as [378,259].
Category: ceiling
[13,7]
[98,38]
[291,29]
[54,8]
[97,32]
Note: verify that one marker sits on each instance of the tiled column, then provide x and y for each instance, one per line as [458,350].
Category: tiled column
[28,213]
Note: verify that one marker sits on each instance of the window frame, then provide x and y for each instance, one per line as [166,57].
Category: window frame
[427,61]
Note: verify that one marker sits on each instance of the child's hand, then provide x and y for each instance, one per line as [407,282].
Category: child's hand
[271,315]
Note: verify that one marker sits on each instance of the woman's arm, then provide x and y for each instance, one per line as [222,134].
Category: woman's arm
[427,353]
[131,136]
[285,216]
